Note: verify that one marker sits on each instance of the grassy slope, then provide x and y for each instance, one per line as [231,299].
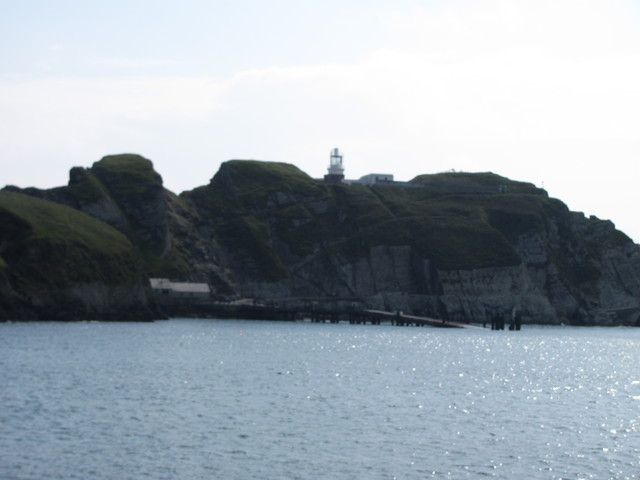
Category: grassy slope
[89,189]
[455,228]
[134,173]
[485,179]
[77,246]
[238,196]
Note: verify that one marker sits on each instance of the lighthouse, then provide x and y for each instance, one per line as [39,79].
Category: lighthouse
[336,170]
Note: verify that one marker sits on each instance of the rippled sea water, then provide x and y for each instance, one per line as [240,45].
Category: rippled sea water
[204,399]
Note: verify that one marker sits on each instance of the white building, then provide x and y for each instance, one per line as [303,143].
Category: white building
[336,169]
[375,179]
[336,173]
[164,286]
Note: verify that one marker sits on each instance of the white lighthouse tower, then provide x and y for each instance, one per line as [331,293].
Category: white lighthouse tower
[336,170]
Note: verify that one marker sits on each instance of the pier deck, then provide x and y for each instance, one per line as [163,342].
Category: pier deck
[312,313]
[401,319]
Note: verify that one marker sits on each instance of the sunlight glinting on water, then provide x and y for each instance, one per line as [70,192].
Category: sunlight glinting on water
[196,399]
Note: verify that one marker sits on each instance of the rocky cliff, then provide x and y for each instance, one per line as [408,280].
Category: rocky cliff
[457,246]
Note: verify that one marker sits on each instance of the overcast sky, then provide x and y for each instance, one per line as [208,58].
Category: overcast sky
[545,91]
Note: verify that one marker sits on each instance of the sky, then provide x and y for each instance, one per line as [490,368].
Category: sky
[543,91]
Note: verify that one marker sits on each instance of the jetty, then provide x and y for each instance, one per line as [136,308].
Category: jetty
[403,320]
[309,312]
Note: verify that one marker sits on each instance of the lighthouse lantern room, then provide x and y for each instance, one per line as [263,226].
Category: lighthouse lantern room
[336,170]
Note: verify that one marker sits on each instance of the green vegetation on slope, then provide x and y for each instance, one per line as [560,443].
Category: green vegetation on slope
[478,181]
[61,224]
[58,242]
[453,230]
[257,206]
[256,180]
[243,188]
[277,215]
[127,174]
[84,186]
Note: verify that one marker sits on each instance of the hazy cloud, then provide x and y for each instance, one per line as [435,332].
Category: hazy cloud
[535,90]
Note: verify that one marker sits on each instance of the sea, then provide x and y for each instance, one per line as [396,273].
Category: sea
[225,399]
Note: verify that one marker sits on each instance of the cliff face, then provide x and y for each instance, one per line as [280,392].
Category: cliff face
[456,246]
[59,264]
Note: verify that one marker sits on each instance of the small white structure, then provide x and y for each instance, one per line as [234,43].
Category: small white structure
[335,163]
[164,286]
[375,179]
[335,174]
[336,169]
